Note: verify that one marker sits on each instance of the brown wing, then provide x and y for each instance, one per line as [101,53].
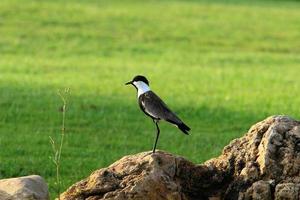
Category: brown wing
[153,106]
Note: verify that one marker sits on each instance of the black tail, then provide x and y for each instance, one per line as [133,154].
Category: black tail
[184,128]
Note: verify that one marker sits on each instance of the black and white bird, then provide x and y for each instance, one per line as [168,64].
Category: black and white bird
[154,107]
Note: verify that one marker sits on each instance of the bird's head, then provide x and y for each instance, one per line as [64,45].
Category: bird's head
[137,80]
[140,83]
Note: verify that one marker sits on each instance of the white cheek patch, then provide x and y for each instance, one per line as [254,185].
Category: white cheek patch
[142,87]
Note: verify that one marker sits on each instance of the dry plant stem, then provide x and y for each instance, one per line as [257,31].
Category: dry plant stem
[58,151]
[61,143]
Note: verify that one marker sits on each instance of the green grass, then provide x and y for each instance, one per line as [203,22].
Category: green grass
[221,66]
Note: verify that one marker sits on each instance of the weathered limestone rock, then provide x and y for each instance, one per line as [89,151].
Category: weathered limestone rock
[5,196]
[269,151]
[145,176]
[24,188]
[263,164]
[258,190]
[287,191]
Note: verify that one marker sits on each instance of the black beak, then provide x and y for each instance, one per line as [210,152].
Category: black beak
[128,83]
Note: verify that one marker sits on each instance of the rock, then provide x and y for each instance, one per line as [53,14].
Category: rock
[287,191]
[263,164]
[144,176]
[258,190]
[24,188]
[269,152]
[5,196]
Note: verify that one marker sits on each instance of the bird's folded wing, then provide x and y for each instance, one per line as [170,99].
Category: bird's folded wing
[155,107]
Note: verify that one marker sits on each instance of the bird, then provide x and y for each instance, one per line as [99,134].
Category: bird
[152,105]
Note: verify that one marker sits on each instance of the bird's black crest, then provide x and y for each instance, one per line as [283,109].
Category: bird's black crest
[141,78]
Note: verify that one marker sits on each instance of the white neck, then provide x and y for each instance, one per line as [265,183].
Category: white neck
[141,87]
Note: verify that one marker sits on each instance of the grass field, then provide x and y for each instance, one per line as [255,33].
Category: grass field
[221,66]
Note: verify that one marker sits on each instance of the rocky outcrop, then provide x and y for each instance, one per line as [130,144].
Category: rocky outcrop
[269,152]
[263,164]
[24,188]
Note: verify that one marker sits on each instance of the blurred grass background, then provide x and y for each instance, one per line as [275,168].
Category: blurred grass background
[221,66]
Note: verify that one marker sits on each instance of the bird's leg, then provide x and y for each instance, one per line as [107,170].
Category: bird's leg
[157,135]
